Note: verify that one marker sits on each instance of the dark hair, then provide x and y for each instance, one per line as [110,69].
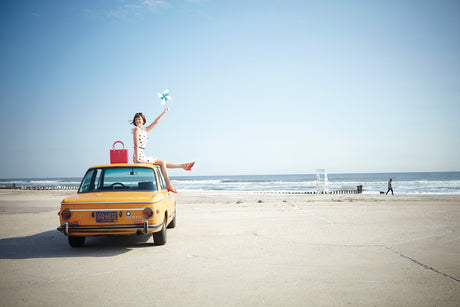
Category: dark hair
[136,116]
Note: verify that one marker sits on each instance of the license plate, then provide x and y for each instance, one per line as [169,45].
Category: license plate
[106,217]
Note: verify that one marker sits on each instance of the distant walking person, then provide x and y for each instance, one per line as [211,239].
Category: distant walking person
[390,188]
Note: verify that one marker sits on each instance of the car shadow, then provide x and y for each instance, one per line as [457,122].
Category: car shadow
[52,244]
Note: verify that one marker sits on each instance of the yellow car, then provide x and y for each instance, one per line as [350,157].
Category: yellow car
[119,199]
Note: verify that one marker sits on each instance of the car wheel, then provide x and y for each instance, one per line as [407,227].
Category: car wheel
[76,241]
[159,238]
[173,222]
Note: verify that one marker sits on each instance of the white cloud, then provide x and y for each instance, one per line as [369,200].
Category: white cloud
[127,9]
[197,1]
[155,3]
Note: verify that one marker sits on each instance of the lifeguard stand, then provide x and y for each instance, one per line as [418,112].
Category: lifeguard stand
[321,180]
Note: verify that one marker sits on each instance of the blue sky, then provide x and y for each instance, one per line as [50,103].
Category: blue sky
[258,87]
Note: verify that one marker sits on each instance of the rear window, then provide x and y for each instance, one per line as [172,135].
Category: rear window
[119,179]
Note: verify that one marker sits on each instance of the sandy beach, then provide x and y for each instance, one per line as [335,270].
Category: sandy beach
[241,249]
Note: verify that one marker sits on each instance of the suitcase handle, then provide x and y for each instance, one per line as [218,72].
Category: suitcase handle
[120,143]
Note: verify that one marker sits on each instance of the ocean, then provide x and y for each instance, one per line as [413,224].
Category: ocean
[373,183]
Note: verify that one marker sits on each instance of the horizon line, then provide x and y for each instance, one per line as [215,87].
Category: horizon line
[279,174]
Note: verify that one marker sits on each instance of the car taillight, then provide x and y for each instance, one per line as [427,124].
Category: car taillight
[66,214]
[147,213]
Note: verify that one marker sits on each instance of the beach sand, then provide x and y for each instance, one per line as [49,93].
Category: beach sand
[241,249]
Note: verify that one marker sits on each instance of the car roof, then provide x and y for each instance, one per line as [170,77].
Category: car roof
[124,165]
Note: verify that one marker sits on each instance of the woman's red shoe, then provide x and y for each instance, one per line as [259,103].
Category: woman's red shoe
[188,166]
[171,189]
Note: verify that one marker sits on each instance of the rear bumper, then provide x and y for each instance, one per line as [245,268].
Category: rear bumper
[81,230]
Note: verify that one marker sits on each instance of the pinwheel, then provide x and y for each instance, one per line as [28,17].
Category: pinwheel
[164,96]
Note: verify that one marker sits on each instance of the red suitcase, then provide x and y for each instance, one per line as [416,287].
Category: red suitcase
[119,155]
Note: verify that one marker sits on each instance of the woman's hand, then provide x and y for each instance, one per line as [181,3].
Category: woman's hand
[166,110]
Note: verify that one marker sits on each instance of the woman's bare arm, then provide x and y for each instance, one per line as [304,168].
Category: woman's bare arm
[136,143]
[156,121]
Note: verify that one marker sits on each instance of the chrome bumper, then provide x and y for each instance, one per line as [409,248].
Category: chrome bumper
[144,228]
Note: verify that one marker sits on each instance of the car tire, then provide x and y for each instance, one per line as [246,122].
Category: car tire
[172,224]
[76,241]
[159,238]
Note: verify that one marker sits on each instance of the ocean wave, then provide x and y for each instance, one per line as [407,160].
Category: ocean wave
[247,181]
[403,183]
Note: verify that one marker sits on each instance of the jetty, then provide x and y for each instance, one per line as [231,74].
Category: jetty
[13,186]
[358,190]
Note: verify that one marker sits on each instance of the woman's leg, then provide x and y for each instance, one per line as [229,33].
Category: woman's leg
[164,171]
[175,165]
[185,166]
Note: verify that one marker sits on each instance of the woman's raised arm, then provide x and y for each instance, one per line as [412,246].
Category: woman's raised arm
[156,121]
